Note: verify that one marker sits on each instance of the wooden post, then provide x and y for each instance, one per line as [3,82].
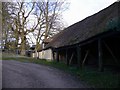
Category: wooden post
[83,62]
[53,53]
[67,60]
[71,58]
[100,63]
[57,56]
[78,56]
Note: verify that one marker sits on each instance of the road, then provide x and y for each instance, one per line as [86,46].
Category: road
[28,75]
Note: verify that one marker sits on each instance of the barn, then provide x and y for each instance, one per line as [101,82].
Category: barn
[94,41]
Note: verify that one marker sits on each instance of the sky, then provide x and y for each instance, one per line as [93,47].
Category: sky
[80,9]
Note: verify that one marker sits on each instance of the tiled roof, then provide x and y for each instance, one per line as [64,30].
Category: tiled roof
[100,22]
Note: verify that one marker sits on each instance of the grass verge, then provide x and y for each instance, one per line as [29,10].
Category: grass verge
[90,76]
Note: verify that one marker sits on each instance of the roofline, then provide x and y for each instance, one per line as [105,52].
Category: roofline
[89,40]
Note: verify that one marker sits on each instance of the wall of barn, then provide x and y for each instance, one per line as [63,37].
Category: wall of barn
[92,57]
[67,54]
[44,54]
[48,54]
[110,51]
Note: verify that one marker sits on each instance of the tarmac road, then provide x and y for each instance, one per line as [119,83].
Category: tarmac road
[28,75]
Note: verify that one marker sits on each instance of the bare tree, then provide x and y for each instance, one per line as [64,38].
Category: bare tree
[6,32]
[46,17]
[1,25]
[20,24]
[48,14]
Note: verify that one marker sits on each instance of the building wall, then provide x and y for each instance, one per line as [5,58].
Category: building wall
[33,55]
[46,54]
[41,55]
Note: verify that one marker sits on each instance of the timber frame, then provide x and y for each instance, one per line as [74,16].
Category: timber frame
[77,49]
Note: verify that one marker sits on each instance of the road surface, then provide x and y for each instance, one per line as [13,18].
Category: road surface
[28,75]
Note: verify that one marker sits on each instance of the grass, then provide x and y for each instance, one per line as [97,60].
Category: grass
[91,76]
[100,79]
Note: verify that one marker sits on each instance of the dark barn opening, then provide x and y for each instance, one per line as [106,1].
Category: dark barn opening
[111,52]
[68,56]
[91,53]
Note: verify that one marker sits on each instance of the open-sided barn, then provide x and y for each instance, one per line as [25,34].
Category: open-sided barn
[93,41]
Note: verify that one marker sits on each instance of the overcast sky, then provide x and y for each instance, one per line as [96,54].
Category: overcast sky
[80,9]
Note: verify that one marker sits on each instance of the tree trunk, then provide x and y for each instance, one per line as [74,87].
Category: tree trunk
[36,54]
[23,52]
[23,45]
[23,49]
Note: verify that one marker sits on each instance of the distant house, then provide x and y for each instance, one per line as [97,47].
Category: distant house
[94,41]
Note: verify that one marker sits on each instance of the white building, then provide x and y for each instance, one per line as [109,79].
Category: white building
[44,54]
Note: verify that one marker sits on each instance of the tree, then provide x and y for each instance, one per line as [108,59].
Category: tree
[19,26]
[6,32]
[48,14]
[45,24]
[0,25]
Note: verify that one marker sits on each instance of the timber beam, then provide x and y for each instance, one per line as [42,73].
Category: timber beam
[79,56]
[100,56]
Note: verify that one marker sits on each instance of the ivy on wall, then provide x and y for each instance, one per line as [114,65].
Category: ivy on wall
[114,24]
